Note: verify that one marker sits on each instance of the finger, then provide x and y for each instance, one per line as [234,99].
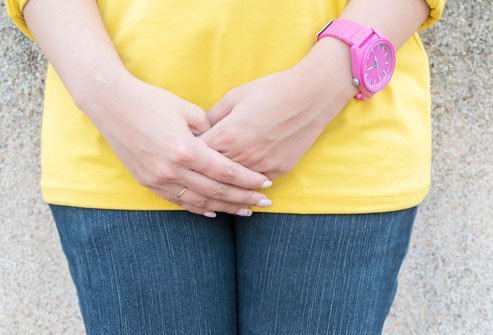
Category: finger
[178,201]
[214,189]
[217,166]
[197,210]
[223,107]
[193,209]
[199,204]
[197,120]
[196,200]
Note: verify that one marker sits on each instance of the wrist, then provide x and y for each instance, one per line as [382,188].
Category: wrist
[328,65]
[96,85]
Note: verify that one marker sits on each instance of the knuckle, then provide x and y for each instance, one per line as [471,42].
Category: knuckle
[271,175]
[182,154]
[157,177]
[151,180]
[231,210]
[202,203]
[277,173]
[284,168]
[265,167]
[275,167]
[219,192]
[164,173]
[245,158]
[177,201]
[227,136]
[228,175]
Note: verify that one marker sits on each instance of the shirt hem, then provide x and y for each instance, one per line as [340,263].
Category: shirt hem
[283,203]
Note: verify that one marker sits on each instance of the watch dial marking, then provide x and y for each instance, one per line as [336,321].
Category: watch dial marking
[378,66]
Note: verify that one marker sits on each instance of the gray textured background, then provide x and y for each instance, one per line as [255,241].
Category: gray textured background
[446,284]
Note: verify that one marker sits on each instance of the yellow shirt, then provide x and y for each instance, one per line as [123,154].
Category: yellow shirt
[374,156]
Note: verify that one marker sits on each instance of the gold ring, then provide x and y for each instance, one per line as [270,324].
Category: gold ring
[181,192]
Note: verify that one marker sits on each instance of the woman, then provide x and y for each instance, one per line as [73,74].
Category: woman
[308,135]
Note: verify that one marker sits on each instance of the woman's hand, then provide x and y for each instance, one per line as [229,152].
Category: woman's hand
[150,129]
[152,132]
[268,124]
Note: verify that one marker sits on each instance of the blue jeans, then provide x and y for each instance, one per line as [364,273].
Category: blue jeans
[174,272]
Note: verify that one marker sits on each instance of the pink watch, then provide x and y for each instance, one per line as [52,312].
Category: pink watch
[372,55]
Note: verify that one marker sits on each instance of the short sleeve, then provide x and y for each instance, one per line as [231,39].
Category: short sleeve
[436,11]
[15,12]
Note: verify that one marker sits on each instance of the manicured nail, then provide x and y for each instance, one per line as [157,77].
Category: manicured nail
[244,212]
[267,183]
[264,202]
[210,214]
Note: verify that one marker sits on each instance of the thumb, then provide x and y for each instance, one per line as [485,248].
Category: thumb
[197,120]
[223,107]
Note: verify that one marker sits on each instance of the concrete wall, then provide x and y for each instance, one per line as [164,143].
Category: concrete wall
[446,284]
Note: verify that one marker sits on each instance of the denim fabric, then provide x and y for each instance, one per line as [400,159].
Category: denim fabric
[174,272]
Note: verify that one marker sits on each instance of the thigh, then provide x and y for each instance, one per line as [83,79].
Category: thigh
[319,273]
[150,272]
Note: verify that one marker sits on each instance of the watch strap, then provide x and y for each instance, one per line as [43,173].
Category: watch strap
[349,32]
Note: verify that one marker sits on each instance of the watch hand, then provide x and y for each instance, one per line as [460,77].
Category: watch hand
[377,67]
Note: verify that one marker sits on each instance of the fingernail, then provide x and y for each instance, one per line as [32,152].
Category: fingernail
[244,212]
[267,183]
[264,202]
[210,214]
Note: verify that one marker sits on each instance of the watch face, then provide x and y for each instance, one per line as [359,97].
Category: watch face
[378,66]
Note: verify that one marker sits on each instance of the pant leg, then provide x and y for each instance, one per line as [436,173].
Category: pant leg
[150,272]
[319,273]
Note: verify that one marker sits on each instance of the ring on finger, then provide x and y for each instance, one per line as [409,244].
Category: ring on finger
[179,195]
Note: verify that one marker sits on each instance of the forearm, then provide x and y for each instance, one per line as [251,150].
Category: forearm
[397,20]
[329,60]
[74,39]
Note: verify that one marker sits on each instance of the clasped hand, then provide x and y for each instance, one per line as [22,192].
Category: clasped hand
[267,125]
[256,132]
